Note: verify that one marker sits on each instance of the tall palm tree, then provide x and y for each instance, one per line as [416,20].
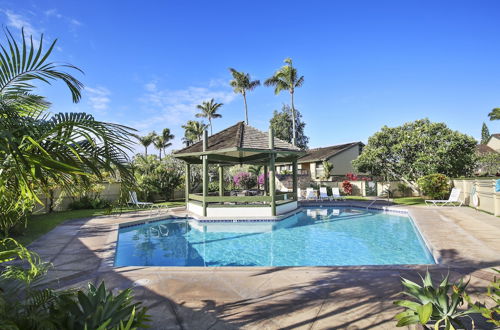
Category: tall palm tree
[146,140]
[241,84]
[494,114]
[162,141]
[287,78]
[193,131]
[209,110]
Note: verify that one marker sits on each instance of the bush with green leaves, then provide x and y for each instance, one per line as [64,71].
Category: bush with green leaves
[440,305]
[435,185]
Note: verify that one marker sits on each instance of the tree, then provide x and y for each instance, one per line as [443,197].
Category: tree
[146,140]
[287,78]
[494,114]
[241,84]
[415,149]
[327,168]
[281,123]
[255,170]
[489,163]
[193,131]
[36,148]
[162,141]
[209,111]
[485,134]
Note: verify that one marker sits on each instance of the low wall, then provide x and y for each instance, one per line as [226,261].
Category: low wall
[489,199]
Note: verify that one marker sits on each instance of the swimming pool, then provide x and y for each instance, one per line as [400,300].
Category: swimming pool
[314,237]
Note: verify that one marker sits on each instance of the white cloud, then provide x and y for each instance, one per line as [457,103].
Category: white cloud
[54,13]
[98,98]
[18,21]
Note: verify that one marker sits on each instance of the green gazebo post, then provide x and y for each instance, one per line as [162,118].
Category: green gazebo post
[205,173]
[272,170]
[187,183]
[221,180]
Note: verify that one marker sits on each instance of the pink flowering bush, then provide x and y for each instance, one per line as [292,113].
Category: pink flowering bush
[245,180]
[262,178]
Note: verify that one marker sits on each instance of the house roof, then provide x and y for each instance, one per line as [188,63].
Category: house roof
[238,142]
[321,154]
[483,148]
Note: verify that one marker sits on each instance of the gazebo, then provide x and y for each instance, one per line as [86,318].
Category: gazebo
[240,144]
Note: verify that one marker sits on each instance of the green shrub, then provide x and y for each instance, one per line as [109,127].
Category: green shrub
[434,185]
[86,203]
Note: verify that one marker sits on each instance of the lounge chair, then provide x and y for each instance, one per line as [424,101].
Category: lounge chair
[299,194]
[323,194]
[144,205]
[336,194]
[452,200]
[310,194]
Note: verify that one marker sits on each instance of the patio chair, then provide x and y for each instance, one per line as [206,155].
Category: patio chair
[336,194]
[299,194]
[323,194]
[311,194]
[145,205]
[452,200]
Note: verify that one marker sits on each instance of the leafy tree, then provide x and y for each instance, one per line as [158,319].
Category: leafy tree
[281,123]
[209,111]
[485,134]
[241,84]
[489,163]
[494,114]
[36,148]
[146,140]
[162,141]
[415,149]
[193,131]
[434,185]
[327,168]
[288,79]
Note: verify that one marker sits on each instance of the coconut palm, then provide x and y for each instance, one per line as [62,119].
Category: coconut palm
[146,140]
[494,114]
[37,149]
[208,109]
[162,142]
[193,131]
[241,84]
[287,78]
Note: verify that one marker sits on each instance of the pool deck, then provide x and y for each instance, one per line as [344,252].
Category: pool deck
[464,241]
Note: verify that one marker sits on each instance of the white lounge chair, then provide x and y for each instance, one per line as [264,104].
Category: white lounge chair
[452,200]
[299,194]
[144,205]
[323,194]
[311,194]
[336,194]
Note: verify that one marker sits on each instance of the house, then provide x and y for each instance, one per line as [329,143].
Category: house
[340,156]
[492,145]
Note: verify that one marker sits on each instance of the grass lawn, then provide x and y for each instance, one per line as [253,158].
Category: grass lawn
[43,223]
[409,201]
[356,198]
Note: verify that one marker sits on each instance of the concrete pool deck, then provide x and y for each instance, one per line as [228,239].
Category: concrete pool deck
[464,241]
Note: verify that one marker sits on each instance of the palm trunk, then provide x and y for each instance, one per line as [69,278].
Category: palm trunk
[246,107]
[210,121]
[145,150]
[160,153]
[294,133]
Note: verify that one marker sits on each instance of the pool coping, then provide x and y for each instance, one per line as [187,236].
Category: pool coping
[108,257]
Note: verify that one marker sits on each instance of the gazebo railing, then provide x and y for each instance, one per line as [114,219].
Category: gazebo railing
[241,199]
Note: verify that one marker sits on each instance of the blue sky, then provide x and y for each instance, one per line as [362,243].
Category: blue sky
[366,63]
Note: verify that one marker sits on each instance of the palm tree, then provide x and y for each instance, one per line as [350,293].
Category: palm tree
[40,149]
[162,141]
[193,131]
[241,84]
[494,114]
[146,140]
[209,111]
[287,78]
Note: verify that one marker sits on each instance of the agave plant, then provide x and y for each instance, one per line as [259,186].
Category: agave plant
[433,305]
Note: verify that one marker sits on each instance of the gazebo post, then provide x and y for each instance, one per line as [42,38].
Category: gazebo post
[294,179]
[187,183]
[205,173]
[272,170]
[221,180]
[266,180]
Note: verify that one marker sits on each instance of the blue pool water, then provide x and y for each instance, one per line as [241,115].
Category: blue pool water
[314,237]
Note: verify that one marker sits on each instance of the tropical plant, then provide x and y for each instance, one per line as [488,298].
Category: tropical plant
[255,170]
[245,180]
[434,185]
[494,114]
[327,169]
[37,149]
[146,140]
[162,142]
[347,187]
[193,131]
[485,134]
[491,314]
[241,84]
[282,125]
[288,79]
[415,149]
[209,110]
[430,304]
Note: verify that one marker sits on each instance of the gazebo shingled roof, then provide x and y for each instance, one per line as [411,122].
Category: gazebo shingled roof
[239,143]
